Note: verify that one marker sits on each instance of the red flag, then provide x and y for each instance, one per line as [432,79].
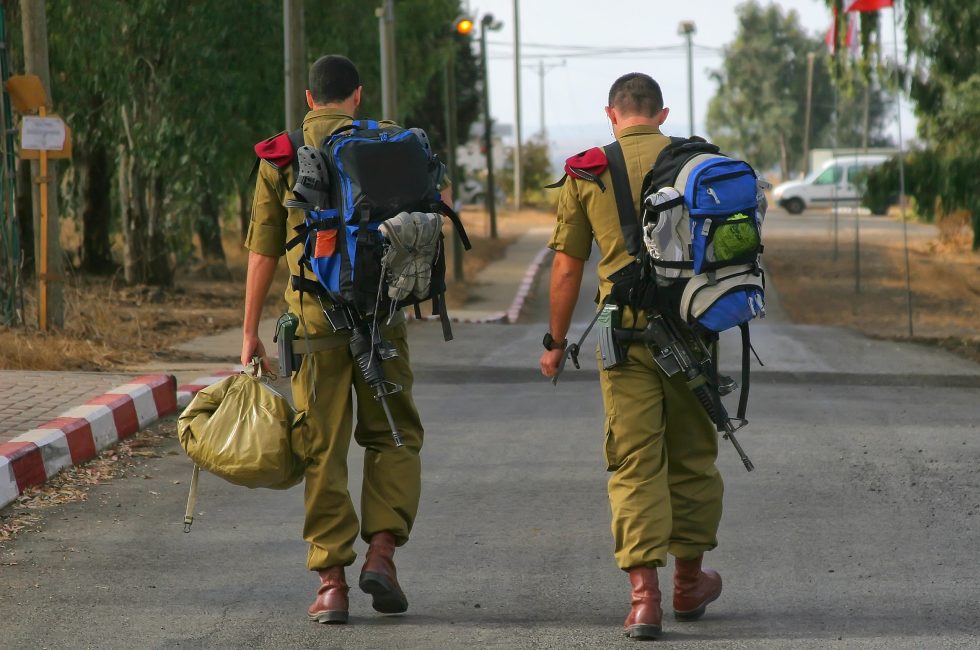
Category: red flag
[831,38]
[870,5]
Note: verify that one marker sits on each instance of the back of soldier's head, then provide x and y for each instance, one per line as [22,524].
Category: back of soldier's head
[636,94]
[333,78]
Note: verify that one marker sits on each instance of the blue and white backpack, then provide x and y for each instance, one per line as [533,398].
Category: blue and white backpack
[701,229]
[701,221]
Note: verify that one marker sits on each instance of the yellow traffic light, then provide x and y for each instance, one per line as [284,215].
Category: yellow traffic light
[464,26]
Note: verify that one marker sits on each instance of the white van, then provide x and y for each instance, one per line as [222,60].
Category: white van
[839,180]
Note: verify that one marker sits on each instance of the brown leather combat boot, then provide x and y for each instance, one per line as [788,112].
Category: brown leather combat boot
[378,576]
[645,616]
[331,603]
[694,588]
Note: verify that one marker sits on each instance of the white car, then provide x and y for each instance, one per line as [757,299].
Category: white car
[839,180]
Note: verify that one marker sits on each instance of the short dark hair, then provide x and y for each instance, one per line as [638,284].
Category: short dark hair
[333,78]
[636,94]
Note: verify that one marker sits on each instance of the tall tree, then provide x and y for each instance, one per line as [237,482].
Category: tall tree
[759,107]
[166,103]
[78,68]
[942,75]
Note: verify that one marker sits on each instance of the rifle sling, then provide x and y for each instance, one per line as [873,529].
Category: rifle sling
[743,398]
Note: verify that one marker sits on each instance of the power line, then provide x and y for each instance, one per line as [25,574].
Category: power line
[588,48]
[605,55]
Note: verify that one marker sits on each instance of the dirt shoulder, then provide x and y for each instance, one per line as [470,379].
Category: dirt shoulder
[816,288]
[110,326]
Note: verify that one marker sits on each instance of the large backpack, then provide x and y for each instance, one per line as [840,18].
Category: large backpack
[372,237]
[698,241]
[701,219]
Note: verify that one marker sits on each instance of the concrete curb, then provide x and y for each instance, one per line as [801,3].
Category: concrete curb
[527,283]
[186,392]
[516,306]
[79,433]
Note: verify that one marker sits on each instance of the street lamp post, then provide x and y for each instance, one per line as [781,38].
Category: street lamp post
[688,29]
[488,23]
[463,27]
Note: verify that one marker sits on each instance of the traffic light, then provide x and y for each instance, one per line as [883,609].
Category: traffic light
[464,26]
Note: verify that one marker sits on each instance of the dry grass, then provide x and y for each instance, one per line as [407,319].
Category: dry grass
[109,325]
[945,286]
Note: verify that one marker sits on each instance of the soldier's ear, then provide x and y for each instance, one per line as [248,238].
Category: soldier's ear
[611,114]
[309,99]
[663,117]
[357,96]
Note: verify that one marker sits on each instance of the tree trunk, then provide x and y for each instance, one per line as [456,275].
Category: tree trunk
[783,157]
[24,208]
[133,220]
[159,270]
[208,228]
[244,216]
[96,248]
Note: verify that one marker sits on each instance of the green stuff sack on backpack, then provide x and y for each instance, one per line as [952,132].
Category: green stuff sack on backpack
[239,429]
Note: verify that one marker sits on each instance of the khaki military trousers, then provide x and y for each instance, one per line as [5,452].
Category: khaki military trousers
[665,491]
[324,387]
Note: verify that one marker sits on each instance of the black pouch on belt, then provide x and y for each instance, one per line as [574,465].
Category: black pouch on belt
[285,333]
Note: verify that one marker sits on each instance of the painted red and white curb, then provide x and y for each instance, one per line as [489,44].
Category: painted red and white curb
[527,283]
[516,306]
[186,392]
[79,433]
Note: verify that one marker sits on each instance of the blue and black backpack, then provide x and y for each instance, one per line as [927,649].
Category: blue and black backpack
[359,177]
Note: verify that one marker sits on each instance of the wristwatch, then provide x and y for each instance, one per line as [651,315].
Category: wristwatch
[550,343]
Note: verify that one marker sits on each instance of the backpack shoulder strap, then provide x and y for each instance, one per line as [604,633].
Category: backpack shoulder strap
[443,208]
[628,220]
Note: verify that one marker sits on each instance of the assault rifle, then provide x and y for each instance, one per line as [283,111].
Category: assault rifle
[368,350]
[674,355]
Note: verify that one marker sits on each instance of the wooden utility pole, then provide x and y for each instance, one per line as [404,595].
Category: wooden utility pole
[809,110]
[389,66]
[47,245]
[518,131]
[294,59]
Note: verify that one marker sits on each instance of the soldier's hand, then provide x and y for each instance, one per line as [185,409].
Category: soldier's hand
[252,347]
[550,360]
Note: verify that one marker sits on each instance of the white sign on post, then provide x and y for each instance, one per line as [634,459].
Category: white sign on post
[42,133]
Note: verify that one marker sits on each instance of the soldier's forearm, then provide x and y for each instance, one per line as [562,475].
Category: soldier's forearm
[261,269]
[566,281]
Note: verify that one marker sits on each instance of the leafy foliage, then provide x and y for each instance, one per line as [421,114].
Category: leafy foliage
[942,75]
[759,109]
[536,172]
[176,92]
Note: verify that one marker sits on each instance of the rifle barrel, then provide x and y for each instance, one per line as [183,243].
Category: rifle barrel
[730,434]
[391,421]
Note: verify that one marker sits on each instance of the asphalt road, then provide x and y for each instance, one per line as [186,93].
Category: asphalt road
[858,529]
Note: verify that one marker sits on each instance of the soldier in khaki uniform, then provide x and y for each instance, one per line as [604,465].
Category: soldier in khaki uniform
[324,383]
[660,446]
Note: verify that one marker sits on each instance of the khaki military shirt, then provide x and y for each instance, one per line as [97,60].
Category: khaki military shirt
[586,213]
[273,224]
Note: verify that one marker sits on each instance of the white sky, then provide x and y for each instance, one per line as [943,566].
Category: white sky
[576,93]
